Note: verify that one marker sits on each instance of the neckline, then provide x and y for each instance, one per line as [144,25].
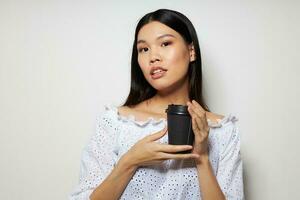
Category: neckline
[132,118]
[154,121]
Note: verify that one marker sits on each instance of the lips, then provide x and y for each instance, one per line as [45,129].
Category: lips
[157,72]
[157,69]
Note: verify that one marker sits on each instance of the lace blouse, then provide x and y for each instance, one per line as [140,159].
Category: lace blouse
[172,179]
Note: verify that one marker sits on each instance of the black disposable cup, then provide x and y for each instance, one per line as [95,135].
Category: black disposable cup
[180,130]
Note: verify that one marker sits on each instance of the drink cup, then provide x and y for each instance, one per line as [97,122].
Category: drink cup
[180,130]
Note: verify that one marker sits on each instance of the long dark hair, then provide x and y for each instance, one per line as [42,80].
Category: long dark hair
[140,89]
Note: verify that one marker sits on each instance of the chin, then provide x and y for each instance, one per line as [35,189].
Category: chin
[161,86]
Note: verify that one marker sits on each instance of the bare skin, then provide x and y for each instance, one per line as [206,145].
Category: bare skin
[142,112]
[161,46]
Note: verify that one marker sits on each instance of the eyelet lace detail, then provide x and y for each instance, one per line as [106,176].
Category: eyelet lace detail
[172,179]
[131,118]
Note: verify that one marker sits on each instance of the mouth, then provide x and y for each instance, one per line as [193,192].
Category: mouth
[158,73]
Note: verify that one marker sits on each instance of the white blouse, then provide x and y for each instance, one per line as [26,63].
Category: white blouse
[172,179]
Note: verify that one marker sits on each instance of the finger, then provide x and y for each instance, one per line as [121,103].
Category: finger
[158,135]
[194,116]
[169,148]
[201,130]
[200,117]
[195,127]
[201,135]
[180,156]
[192,110]
[198,106]
[199,122]
[199,111]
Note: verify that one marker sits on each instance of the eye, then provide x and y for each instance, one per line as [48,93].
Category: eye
[166,43]
[141,49]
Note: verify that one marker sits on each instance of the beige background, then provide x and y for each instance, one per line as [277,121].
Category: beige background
[61,61]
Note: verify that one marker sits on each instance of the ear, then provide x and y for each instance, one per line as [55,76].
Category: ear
[192,52]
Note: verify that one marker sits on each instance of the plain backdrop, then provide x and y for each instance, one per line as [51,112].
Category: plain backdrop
[61,61]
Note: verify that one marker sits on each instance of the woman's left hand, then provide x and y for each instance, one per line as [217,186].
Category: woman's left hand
[200,129]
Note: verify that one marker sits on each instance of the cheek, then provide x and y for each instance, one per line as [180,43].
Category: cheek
[144,67]
[143,64]
[178,61]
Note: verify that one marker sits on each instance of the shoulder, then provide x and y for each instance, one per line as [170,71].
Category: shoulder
[132,108]
[214,117]
[138,112]
[124,110]
[225,127]
[227,131]
[224,136]
[107,117]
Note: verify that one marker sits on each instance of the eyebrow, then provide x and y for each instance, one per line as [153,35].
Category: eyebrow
[159,37]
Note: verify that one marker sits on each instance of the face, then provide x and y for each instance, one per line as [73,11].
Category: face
[163,55]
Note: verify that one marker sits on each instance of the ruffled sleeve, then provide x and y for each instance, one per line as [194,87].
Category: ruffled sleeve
[98,158]
[230,169]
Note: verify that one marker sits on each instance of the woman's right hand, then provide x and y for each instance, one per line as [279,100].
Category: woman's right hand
[149,152]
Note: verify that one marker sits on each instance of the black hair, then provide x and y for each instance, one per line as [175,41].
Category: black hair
[140,89]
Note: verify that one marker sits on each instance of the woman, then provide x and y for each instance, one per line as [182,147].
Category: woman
[128,157]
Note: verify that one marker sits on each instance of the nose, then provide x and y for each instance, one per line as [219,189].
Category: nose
[154,56]
[153,60]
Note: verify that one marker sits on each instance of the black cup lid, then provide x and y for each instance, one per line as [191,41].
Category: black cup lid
[177,109]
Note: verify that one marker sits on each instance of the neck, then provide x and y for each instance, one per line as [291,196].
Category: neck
[163,98]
